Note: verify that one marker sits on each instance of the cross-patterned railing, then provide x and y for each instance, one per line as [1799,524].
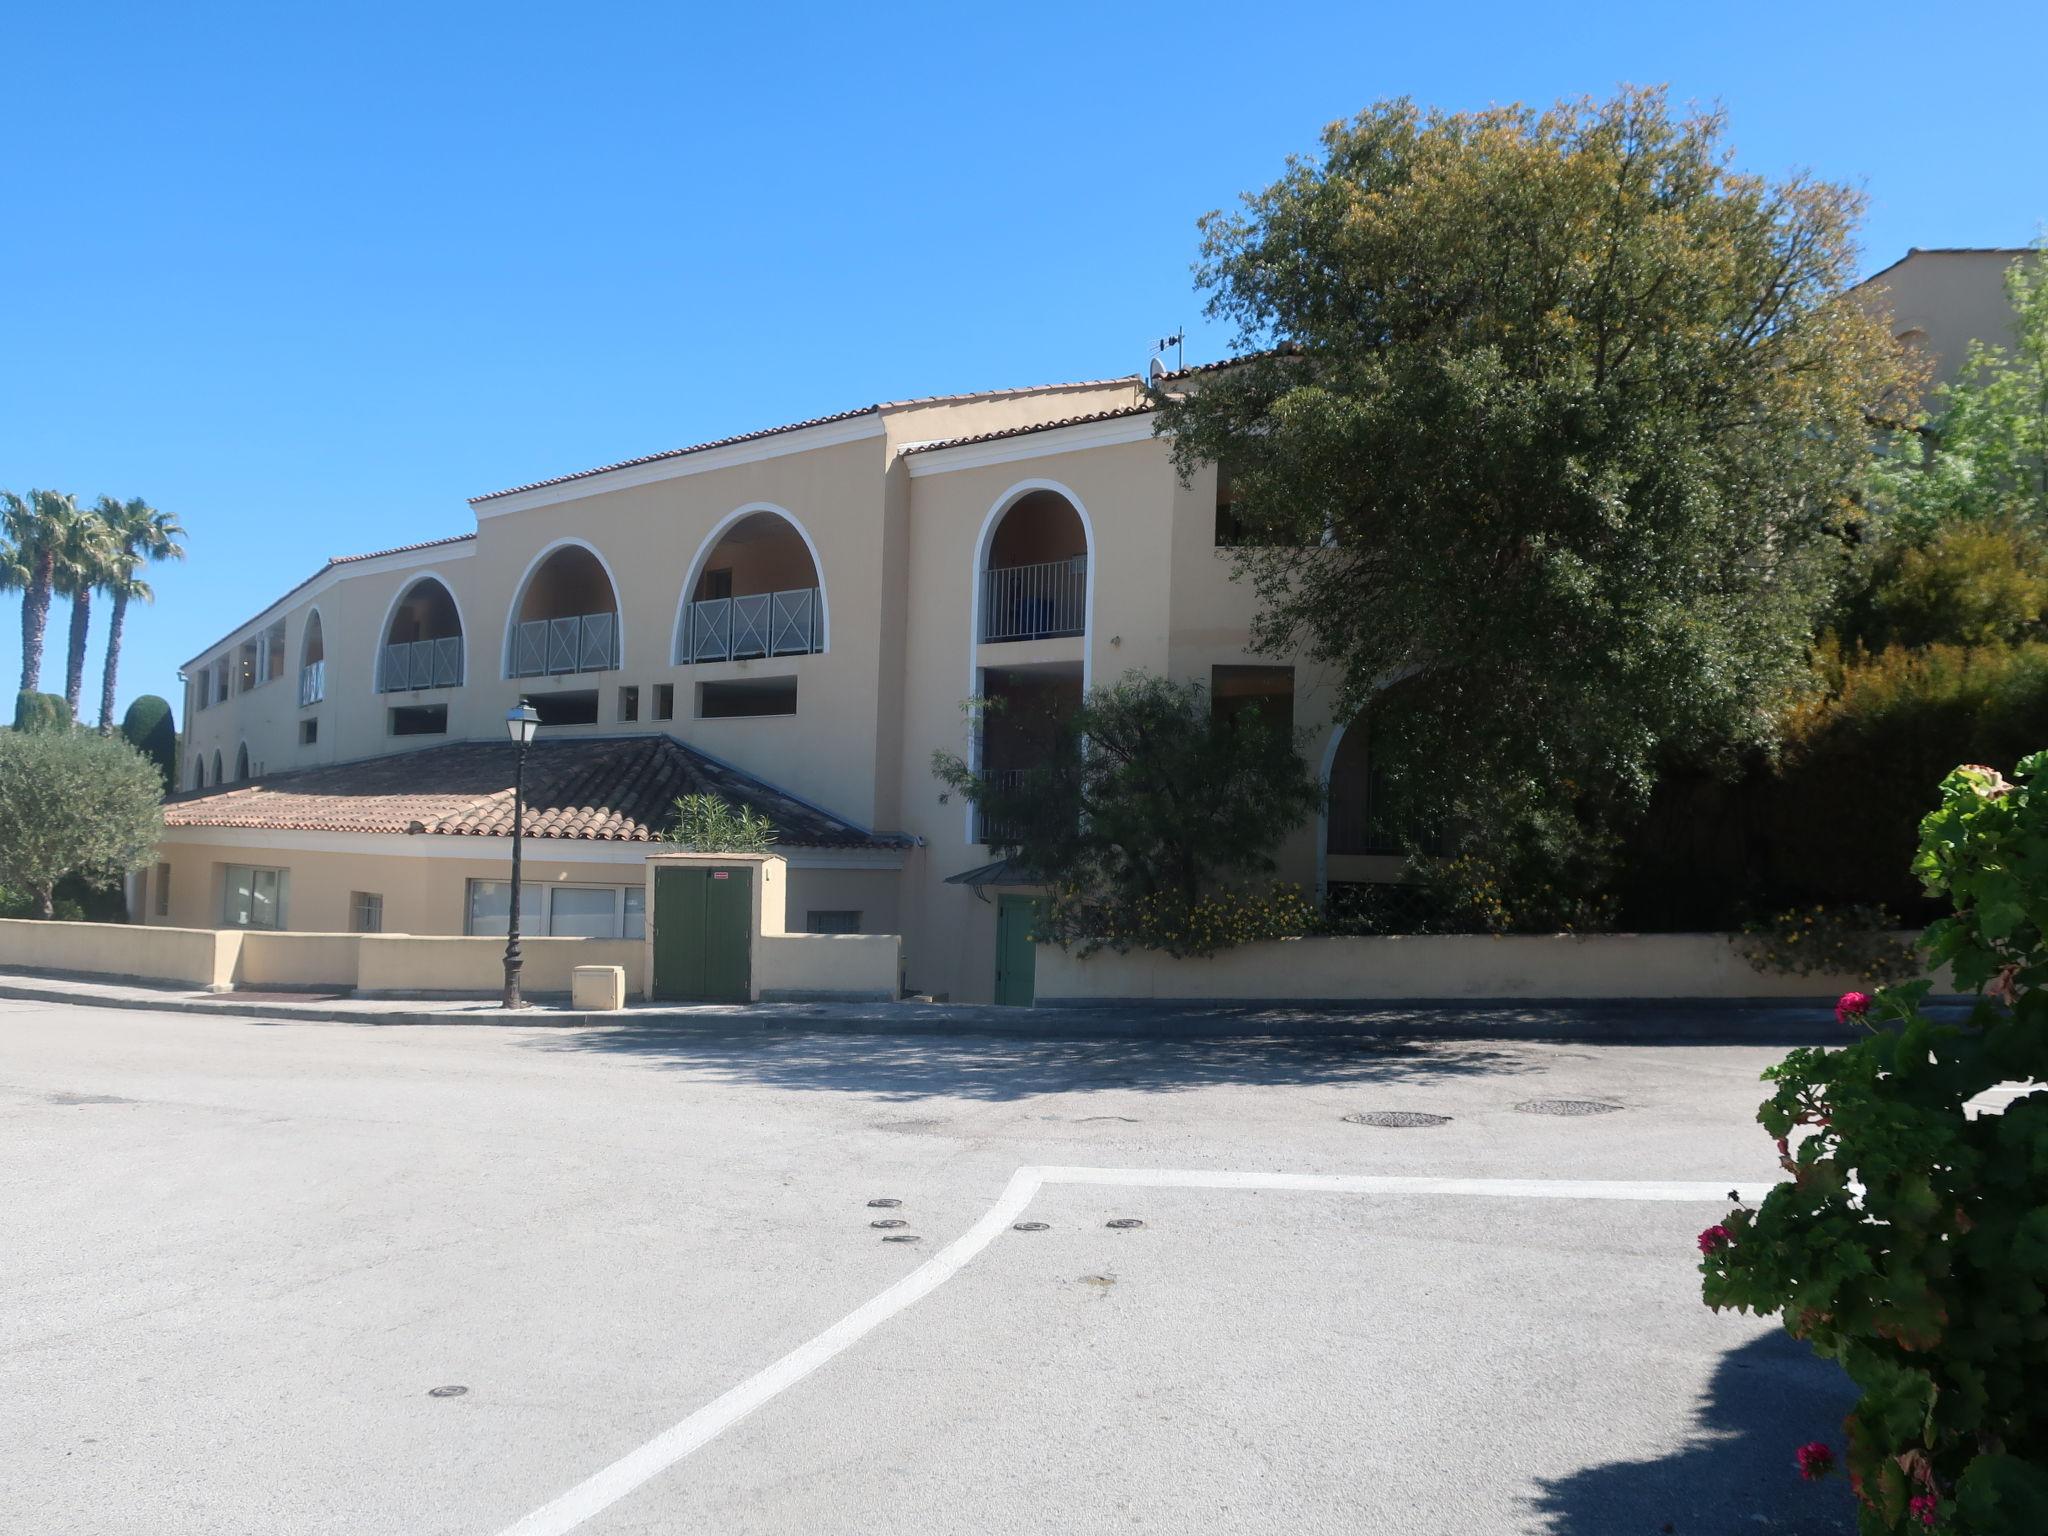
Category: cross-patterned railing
[761,624]
[1035,602]
[588,642]
[420,664]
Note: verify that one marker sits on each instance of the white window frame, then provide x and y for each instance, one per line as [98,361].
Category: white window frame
[280,890]
[537,906]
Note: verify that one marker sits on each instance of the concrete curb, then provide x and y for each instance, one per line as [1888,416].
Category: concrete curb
[1650,1021]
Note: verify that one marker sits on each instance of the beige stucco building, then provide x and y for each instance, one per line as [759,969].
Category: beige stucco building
[804,612]
[1938,301]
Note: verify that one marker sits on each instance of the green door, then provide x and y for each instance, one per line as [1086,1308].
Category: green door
[703,933]
[1016,955]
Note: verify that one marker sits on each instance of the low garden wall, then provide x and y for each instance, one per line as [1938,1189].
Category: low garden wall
[221,959]
[1414,967]
[799,966]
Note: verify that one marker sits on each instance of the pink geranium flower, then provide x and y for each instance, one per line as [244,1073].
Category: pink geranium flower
[1815,1460]
[1924,1505]
[1853,1005]
[1714,1239]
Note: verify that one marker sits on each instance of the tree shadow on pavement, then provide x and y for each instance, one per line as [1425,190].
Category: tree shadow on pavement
[997,1069]
[1766,1399]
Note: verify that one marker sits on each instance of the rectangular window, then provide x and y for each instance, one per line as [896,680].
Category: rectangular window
[245,667]
[664,701]
[561,911]
[832,922]
[365,912]
[270,653]
[629,704]
[163,890]
[420,720]
[252,898]
[197,691]
[309,732]
[579,708]
[746,697]
[1269,690]
[220,680]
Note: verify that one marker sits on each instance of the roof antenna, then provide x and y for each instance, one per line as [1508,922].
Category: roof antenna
[1158,370]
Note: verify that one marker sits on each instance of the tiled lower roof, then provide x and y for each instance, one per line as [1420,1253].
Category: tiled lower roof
[618,789]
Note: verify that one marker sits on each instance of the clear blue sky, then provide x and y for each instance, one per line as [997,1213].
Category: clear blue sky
[312,276]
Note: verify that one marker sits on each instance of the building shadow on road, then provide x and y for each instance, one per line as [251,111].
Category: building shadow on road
[1736,1474]
[999,1068]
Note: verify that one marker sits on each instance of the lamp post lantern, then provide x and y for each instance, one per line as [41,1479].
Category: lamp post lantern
[521,725]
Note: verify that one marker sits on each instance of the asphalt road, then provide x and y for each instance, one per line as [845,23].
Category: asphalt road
[236,1257]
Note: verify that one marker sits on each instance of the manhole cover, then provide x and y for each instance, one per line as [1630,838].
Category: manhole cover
[1029,1226]
[1566,1107]
[1124,1223]
[884,1205]
[447,1391]
[892,1221]
[902,1237]
[1397,1119]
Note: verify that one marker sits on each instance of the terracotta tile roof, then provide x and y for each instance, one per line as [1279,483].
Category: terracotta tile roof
[797,426]
[1030,427]
[332,562]
[617,789]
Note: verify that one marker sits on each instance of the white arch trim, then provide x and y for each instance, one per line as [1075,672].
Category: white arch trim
[710,544]
[526,580]
[405,589]
[314,614]
[982,542]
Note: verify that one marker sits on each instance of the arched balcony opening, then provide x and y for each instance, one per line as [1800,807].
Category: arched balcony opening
[565,618]
[198,772]
[1034,578]
[312,662]
[218,776]
[755,592]
[422,645]
[1357,821]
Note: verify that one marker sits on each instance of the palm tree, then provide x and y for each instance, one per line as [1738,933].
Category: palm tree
[85,558]
[142,535]
[34,529]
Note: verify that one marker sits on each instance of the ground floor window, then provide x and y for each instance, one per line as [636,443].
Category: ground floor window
[365,912]
[834,921]
[252,897]
[163,890]
[560,911]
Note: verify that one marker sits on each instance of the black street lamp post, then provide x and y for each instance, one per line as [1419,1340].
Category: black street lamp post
[521,725]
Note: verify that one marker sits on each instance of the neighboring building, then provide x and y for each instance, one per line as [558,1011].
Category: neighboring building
[1941,300]
[794,619]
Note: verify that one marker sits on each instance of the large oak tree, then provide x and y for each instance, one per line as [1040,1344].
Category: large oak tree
[1547,443]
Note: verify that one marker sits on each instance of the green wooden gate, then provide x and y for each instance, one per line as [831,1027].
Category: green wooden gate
[1016,955]
[703,932]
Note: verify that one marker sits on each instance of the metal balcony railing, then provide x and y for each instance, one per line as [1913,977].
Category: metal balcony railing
[760,624]
[992,829]
[313,682]
[420,664]
[586,643]
[1035,602]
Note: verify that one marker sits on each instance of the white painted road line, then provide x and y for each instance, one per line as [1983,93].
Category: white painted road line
[600,1491]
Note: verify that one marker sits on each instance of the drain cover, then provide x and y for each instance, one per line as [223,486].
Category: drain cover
[447,1391]
[1029,1226]
[884,1205]
[1397,1119]
[1124,1222]
[1566,1107]
[902,1237]
[893,1221]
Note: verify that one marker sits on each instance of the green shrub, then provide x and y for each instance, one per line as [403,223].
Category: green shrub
[711,824]
[41,712]
[1829,941]
[1911,1241]
[149,729]
[1969,584]
[74,804]
[1215,920]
